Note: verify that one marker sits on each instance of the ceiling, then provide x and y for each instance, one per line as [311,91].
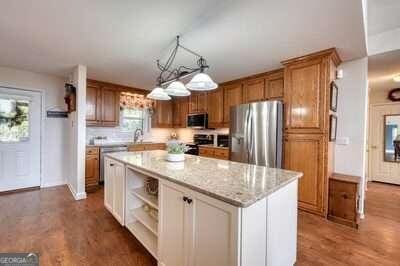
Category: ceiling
[383,15]
[381,70]
[119,41]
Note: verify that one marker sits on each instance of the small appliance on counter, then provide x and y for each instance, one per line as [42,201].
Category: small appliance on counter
[199,139]
[223,140]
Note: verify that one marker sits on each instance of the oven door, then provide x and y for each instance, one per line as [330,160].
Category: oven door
[197,121]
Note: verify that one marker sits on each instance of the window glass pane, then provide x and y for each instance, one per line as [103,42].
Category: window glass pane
[133,113]
[14,120]
[131,119]
[131,124]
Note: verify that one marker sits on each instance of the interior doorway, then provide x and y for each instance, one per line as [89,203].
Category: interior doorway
[20,139]
[384,118]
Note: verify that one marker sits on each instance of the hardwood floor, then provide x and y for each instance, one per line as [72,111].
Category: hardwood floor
[376,242]
[69,232]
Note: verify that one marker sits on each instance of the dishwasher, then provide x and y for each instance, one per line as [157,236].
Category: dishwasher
[105,150]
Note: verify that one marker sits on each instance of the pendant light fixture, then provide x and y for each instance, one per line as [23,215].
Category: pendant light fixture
[172,77]
[176,88]
[158,93]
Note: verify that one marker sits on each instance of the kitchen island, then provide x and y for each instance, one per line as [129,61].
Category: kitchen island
[206,211]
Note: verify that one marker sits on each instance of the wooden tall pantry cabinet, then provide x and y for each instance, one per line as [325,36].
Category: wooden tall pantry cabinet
[307,148]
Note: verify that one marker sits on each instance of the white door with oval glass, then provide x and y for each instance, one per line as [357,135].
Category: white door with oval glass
[20,122]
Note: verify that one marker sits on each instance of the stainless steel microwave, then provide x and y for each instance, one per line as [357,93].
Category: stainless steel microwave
[197,120]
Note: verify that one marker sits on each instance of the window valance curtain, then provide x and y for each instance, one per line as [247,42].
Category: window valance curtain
[137,101]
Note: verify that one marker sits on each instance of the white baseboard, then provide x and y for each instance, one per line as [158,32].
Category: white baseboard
[77,196]
[54,183]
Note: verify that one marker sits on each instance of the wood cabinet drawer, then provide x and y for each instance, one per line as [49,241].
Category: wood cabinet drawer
[342,188]
[155,146]
[207,152]
[92,150]
[136,147]
[221,154]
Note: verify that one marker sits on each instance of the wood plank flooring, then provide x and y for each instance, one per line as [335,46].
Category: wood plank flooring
[69,232]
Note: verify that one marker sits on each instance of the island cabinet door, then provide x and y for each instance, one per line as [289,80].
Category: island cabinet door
[196,230]
[108,184]
[114,179]
[171,226]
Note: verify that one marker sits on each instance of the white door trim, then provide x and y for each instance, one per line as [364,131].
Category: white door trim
[42,116]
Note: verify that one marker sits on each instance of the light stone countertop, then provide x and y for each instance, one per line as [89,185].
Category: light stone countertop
[238,184]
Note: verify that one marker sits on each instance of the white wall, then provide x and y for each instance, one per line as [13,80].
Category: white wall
[352,121]
[77,135]
[55,160]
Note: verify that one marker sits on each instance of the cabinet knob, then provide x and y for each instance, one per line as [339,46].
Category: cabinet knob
[189,201]
[111,164]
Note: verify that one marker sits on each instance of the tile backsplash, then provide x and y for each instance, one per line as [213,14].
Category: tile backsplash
[153,135]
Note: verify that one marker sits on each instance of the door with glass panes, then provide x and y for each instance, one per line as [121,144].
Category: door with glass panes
[20,122]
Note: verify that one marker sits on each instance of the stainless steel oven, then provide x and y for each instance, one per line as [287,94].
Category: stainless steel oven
[197,120]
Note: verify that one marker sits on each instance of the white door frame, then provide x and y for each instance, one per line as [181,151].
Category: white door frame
[42,116]
[369,133]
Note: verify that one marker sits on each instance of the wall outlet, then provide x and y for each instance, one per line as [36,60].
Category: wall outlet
[342,141]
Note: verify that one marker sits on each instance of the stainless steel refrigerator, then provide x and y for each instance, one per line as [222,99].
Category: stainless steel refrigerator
[255,135]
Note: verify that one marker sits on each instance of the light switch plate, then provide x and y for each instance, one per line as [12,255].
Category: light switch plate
[342,141]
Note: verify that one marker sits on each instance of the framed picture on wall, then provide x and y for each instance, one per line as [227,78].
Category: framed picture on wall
[332,127]
[334,97]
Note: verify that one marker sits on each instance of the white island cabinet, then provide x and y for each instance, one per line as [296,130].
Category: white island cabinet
[206,212]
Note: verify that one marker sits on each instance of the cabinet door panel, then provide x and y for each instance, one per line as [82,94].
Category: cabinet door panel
[93,108]
[214,232]
[108,185]
[253,90]
[172,226]
[202,102]
[162,117]
[305,153]
[274,86]
[232,97]
[110,107]
[215,107]
[119,193]
[180,111]
[305,96]
[91,170]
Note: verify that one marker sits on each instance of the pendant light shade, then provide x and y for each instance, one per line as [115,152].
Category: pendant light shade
[201,82]
[158,93]
[176,88]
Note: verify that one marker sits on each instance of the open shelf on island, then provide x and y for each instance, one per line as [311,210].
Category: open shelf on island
[146,197]
[147,238]
[142,216]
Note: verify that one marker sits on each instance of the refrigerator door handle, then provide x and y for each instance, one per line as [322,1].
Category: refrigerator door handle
[250,135]
[246,132]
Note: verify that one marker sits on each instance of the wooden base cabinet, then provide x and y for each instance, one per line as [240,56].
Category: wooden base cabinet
[92,168]
[306,154]
[114,189]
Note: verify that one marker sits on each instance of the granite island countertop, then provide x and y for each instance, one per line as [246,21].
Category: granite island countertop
[236,183]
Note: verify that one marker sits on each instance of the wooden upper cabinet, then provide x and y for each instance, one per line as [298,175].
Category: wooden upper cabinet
[215,103]
[254,90]
[306,91]
[102,104]
[305,96]
[274,85]
[232,97]
[198,102]
[162,116]
[313,184]
[179,112]
[110,106]
[93,108]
